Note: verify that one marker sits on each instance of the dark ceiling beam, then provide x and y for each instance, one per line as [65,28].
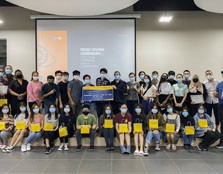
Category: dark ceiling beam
[5,3]
[166,5]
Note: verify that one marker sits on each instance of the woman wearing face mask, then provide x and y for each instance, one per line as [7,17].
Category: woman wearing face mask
[153,132]
[133,89]
[8,121]
[124,118]
[3,82]
[108,132]
[35,118]
[34,90]
[207,132]
[18,91]
[139,118]
[180,91]
[164,93]
[198,94]
[18,136]
[148,94]
[186,120]
[174,119]
[49,136]
[66,120]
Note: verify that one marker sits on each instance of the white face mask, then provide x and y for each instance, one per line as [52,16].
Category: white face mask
[65,78]
[76,77]
[58,77]
[35,78]
[210,77]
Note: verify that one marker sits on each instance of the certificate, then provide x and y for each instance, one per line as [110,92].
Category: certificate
[197,98]
[3,89]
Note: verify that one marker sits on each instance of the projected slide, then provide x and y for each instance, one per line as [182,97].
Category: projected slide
[86,45]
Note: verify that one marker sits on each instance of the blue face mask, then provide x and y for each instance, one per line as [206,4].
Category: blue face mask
[186,77]
[138,110]
[36,110]
[154,77]
[185,114]
[154,111]
[170,110]
[132,79]
[87,81]
[108,111]
[5,111]
[146,80]
[142,76]
[117,77]
[179,80]
[66,110]
[123,111]
[171,77]
[22,109]
[52,110]
[103,76]
[8,71]
[200,111]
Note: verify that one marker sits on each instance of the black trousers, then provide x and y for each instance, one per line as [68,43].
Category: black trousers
[220,114]
[209,138]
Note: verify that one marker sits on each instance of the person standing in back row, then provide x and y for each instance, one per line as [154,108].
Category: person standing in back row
[120,88]
[74,92]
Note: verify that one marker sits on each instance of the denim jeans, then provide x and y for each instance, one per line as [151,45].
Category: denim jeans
[33,136]
[109,136]
[187,138]
[151,135]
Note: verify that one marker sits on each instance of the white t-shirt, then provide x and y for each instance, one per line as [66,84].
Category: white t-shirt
[165,89]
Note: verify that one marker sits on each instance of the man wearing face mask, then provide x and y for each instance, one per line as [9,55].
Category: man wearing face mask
[219,93]
[155,76]
[63,97]
[120,88]
[102,81]
[86,119]
[74,92]
[186,75]
[58,76]
[171,78]
[8,73]
[50,93]
[211,102]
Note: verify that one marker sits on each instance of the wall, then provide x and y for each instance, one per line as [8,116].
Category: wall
[193,40]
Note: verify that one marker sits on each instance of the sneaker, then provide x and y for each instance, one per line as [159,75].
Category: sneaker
[186,146]
[4,150]
[79,148]
[146,151]
[11,149]
[128,150]
[91,148]
[107,148]
[157,148]
[174,147]
[28,147]
[23,148]
[48,150]
[136,153]
[66,147]
[168,146]
[112,148]
[3,146]
[219,146]
[123,150]
[60,148]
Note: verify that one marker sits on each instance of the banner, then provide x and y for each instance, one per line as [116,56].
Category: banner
[97,93]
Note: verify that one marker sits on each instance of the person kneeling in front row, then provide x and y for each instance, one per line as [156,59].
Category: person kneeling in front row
[86,124]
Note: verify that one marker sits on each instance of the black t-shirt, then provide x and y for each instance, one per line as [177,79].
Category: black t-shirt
[63,92]
[46,88]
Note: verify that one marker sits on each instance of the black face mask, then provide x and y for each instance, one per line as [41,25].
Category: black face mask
[19,76]
[85,112]
[163,79]
[195,80]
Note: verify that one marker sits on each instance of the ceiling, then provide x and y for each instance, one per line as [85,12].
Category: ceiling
[153,5]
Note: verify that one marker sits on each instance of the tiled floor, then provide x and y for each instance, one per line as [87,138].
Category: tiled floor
[101,162]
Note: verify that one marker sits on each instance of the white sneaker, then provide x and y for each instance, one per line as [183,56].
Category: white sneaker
[23,148]
[66,147]
[28,147]
[141,153]
[168,146]
[60,148]
[136,152]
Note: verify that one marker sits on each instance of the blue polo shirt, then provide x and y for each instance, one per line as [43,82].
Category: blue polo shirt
[219,89]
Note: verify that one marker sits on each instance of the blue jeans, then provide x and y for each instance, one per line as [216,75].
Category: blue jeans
[33,136]
[151,135]
[187,138]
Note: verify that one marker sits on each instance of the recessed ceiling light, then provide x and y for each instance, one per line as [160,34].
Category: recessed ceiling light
[165,19]
[1,22]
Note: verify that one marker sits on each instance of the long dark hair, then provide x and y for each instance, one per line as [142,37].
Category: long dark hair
[32,113]
[33,74]
[19,112]
[1,114]
[112,114]
[63,113]
[162,80]
[150,82]
[49,113]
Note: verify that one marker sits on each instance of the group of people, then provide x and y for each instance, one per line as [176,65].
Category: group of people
[153,108]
